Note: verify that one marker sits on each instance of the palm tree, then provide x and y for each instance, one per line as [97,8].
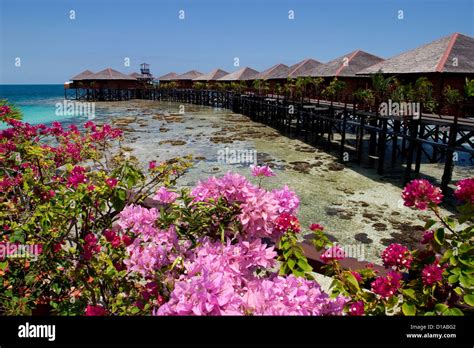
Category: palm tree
[381,84]
[261,86]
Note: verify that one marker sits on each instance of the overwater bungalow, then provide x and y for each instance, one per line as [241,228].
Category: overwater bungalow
[345,68]
[302,68]
[245,74]
[186,80]
[211,77]
[445,62]
[107,84]
[167,77]
[275,75]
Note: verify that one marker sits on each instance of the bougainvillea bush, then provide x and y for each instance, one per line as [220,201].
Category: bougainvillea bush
[227,246]
[435,279]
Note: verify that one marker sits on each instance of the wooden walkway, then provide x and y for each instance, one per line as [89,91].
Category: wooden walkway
[357,133]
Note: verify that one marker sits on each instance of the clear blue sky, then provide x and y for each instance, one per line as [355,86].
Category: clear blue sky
[53,48]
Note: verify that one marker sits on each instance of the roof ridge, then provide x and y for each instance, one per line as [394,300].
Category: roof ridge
[447,52]
[338,71]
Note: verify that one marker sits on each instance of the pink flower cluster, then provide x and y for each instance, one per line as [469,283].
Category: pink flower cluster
[387,286]
[357,308]
[77,176]
[150,252]
[287,222]
[91,246]
[261,171]
[431,274]
[259,208]
[465,190]
[164,196]
[397,256]
[421,193]
[138,219]
[95,311]
[221,280]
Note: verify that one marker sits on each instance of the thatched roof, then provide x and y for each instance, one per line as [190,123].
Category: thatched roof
[212,76]
[347,65]
[190,75]
[450,54]
[243,74]
[302,68]
[82,75]
[109,74]
[278,71]
[167,77]
[135,75]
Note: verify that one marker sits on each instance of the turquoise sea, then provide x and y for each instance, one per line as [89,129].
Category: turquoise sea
[36,102]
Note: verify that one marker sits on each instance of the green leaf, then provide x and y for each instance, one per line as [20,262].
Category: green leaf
[303,264]
[469,299]
[441,307]
[409,309]
[453,312]
[291,263]
[409,293]
[352,280]
[439,236]
[429,224]
[453,278]
[464,281]
[4,265]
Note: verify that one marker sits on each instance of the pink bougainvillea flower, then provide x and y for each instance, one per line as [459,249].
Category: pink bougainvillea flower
[357,276]
[427,237]
[287,200]
[113,238]
[287,222]
[111,182]
[431,274]
[333,253]
[387,286]
[421,193]
[152,165]
[316,227]
[397,256]
[262,171]
[465,190]
[165,196]
[77,176]
[95,311]
[356,308]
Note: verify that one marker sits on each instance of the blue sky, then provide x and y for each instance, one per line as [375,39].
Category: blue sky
[52,48]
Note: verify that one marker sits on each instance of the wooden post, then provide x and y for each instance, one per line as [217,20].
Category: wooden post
[448,165]
[396,129]
[382,146]
[343,132]
[419,149]
[413,130]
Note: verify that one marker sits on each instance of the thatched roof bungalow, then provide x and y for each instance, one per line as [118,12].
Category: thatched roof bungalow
[446,61]
[302,68]
[345,68]
[167,77]
[186,80]
[211,76]
[244,74]
[107,78]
